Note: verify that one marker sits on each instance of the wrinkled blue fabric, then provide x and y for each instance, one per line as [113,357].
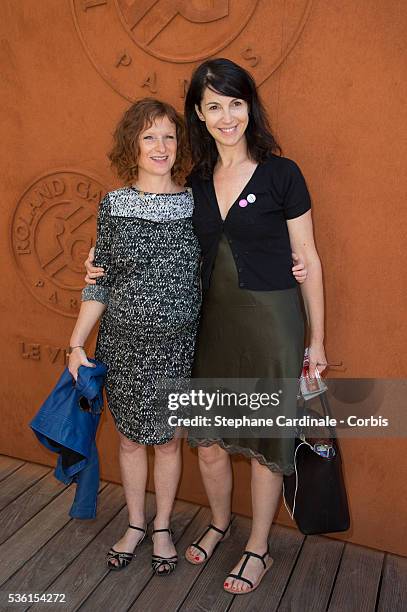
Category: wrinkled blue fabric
[62,426]
[87,485]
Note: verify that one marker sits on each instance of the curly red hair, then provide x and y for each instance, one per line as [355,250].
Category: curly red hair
[139,117]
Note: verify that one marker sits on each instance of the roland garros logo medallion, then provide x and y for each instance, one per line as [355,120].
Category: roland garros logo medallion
[53,228]
[150,47]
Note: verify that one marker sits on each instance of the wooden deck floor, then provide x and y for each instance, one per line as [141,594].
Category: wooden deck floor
[44,551]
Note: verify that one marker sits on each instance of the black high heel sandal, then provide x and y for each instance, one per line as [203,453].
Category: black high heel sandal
[123,558]
[157,561]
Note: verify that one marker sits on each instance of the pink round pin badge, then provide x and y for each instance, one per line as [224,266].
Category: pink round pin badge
[243,203]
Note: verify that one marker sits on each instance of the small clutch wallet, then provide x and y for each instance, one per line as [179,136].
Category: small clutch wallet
[310,387]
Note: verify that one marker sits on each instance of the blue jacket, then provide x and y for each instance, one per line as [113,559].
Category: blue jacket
[66,424]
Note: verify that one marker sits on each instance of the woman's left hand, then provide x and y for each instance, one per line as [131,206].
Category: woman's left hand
[316,356]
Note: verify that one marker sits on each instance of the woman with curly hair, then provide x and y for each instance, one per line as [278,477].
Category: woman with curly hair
[146,270]
[150,299]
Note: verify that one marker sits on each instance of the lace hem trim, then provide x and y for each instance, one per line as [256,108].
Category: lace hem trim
[286,470]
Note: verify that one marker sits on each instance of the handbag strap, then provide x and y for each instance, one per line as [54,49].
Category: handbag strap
[326,413]
[323,398]
[291,513]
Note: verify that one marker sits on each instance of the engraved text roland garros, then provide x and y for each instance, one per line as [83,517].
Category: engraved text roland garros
[53,228]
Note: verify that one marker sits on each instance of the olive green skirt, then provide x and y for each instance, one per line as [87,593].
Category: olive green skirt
[250,334]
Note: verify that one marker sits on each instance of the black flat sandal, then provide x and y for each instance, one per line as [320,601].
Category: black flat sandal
[123,558]
[157,561]
[252,586]
[224,534]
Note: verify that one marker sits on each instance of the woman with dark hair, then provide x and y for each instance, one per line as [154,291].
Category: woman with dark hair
[254,145]
[252,208]
[150,299]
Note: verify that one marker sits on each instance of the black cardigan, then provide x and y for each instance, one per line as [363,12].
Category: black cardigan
[256,230]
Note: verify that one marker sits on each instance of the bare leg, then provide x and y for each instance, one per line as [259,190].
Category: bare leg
[216,471]
[167,472]
[133,467]
[266,489]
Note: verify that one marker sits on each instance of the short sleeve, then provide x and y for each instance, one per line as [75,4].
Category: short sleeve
[297,200]
[100,291]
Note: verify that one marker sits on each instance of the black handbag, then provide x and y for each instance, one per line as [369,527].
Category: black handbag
[315,494]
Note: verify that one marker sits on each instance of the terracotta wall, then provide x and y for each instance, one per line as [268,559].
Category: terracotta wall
[331,75]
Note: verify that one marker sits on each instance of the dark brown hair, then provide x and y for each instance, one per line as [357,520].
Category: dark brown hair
[228,79]
[139,117]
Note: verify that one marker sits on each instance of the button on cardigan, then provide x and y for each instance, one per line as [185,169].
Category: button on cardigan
[255,226]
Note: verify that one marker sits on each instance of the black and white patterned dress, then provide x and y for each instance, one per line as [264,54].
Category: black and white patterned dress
[146,244]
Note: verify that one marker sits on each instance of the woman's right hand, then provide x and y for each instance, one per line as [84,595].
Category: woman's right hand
[91,272]
[78,358]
